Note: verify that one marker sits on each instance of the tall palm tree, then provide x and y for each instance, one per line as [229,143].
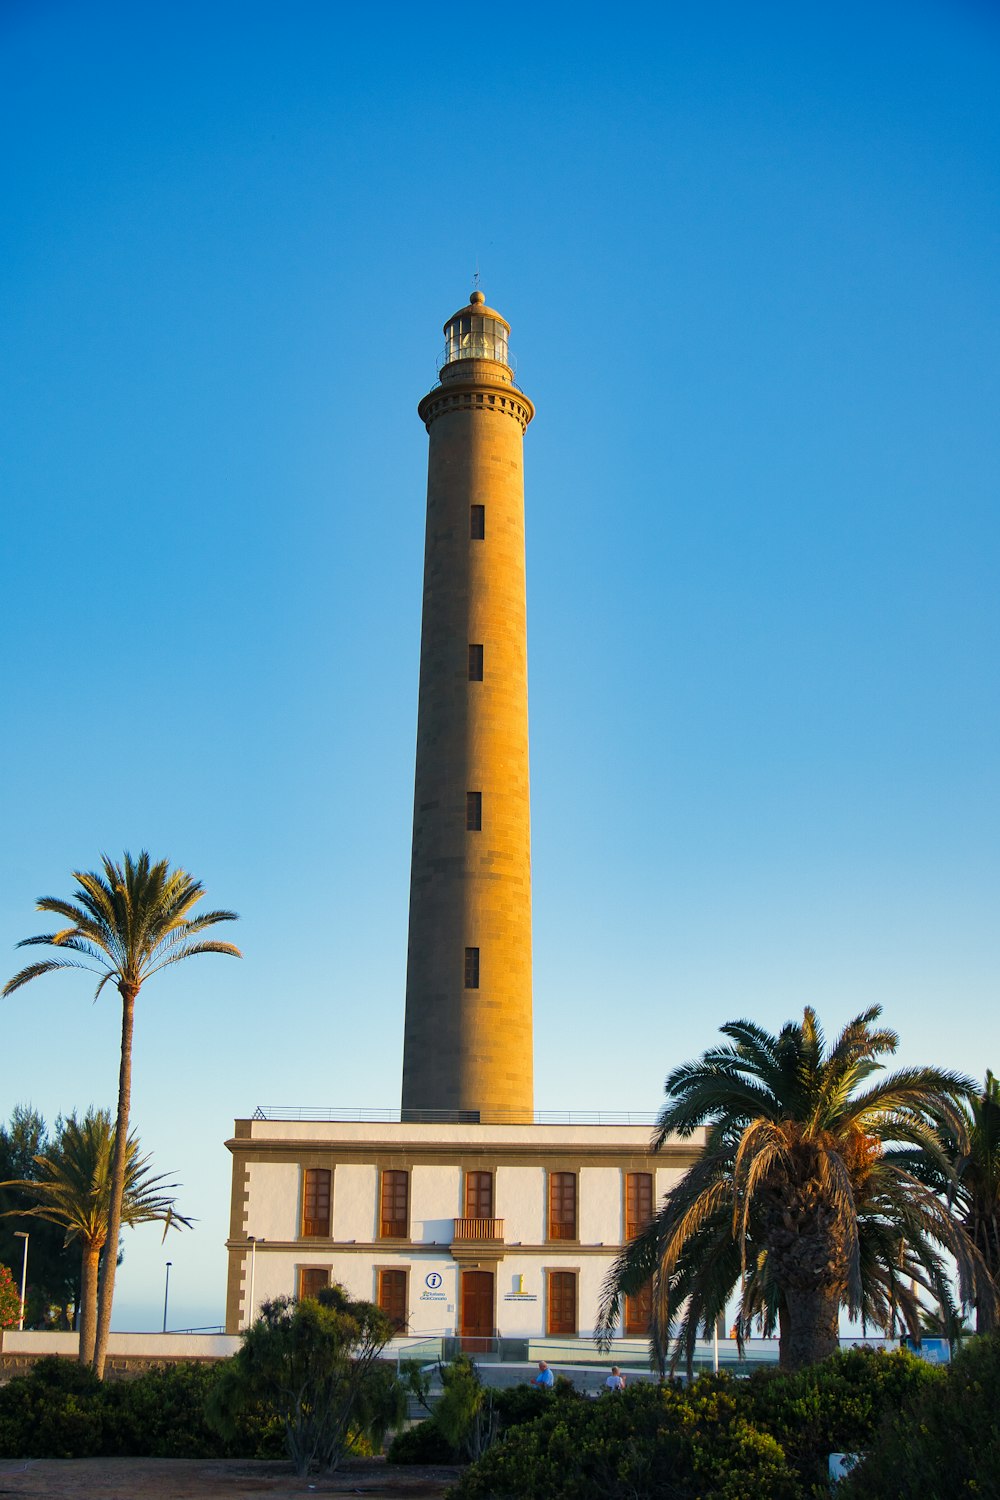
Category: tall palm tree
[978,1194]
[125,925]
[971,1186]
[804,1197]
[73,1190]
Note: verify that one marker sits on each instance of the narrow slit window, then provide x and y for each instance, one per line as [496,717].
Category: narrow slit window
[474,811]
[475,663]
[477,523]
[472,968]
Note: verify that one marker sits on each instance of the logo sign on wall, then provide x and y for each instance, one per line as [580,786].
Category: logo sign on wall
[433,1281]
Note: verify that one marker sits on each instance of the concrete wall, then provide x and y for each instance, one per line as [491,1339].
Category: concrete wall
[127,1352]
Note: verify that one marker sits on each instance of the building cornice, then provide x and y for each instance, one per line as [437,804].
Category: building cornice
[383,1154]
[393,1249]
[464,396]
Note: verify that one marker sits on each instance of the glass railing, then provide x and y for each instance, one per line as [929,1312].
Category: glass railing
[477,346]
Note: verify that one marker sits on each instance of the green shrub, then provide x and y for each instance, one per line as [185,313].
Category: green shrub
[662,1441]
[833,1407]
[423,1444]
[517,1404]
[945,1441]
[61,1410]
[727,1439]
[161,1414]
[504,1407]
[53,1412]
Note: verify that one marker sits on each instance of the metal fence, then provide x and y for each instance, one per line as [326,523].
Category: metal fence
[342,1114]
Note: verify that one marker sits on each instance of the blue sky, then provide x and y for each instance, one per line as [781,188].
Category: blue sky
[749,259]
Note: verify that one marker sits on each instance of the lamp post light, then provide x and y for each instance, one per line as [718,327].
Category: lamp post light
[166,1294]
[22,1234]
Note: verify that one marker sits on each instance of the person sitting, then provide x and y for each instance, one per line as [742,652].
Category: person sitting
[615,1381]
[545,1379]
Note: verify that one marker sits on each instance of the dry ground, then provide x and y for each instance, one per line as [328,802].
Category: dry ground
[212,1479]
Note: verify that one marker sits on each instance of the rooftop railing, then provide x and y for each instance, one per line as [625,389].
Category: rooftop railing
[374,1116]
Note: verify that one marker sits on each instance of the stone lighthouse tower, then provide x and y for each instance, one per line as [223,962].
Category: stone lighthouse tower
[468,1044]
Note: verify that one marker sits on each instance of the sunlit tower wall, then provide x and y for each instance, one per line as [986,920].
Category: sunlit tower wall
[468,1040]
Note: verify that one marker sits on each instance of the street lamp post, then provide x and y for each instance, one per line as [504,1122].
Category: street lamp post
[166,1294]
[22,1234]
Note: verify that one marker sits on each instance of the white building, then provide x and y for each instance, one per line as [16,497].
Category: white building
[466,1230]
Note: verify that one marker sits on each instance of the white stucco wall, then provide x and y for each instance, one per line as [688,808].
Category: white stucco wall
[43,1343]
[435,1203]
[666,1177]
[599,1214]
[274,1208]
[355,1203]
[520,1202]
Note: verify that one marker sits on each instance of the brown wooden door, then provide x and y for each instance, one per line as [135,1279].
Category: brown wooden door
[639,1313]
[392,1298]
[562,1303]
[476,1324]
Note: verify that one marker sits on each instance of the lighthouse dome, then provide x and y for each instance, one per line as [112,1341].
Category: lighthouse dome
[476,332]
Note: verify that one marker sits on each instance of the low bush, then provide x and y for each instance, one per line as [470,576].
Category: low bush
[649,1441]
[423,1444]
[61,1410]
[504,1408]
[944,1442]
[833,1407]
[161,1415]
[727,1439]
[54,1412]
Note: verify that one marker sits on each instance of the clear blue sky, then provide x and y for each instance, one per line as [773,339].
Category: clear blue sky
[749,256]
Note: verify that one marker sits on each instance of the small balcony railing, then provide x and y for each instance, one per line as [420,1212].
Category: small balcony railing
[478,1229]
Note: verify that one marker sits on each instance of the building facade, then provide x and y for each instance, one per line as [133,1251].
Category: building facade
[456,1229]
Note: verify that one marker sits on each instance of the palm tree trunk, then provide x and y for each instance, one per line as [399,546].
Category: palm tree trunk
[811,1331]
[107,1292]
[88,1301]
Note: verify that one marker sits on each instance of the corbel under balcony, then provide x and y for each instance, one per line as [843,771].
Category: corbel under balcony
[477,1239]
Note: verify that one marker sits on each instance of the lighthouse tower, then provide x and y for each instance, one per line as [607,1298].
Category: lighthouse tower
[468,1045]
[435,1215]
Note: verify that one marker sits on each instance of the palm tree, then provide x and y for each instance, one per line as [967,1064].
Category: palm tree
[804,1197]
[125,925]
[971,1185]
[73,1190]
